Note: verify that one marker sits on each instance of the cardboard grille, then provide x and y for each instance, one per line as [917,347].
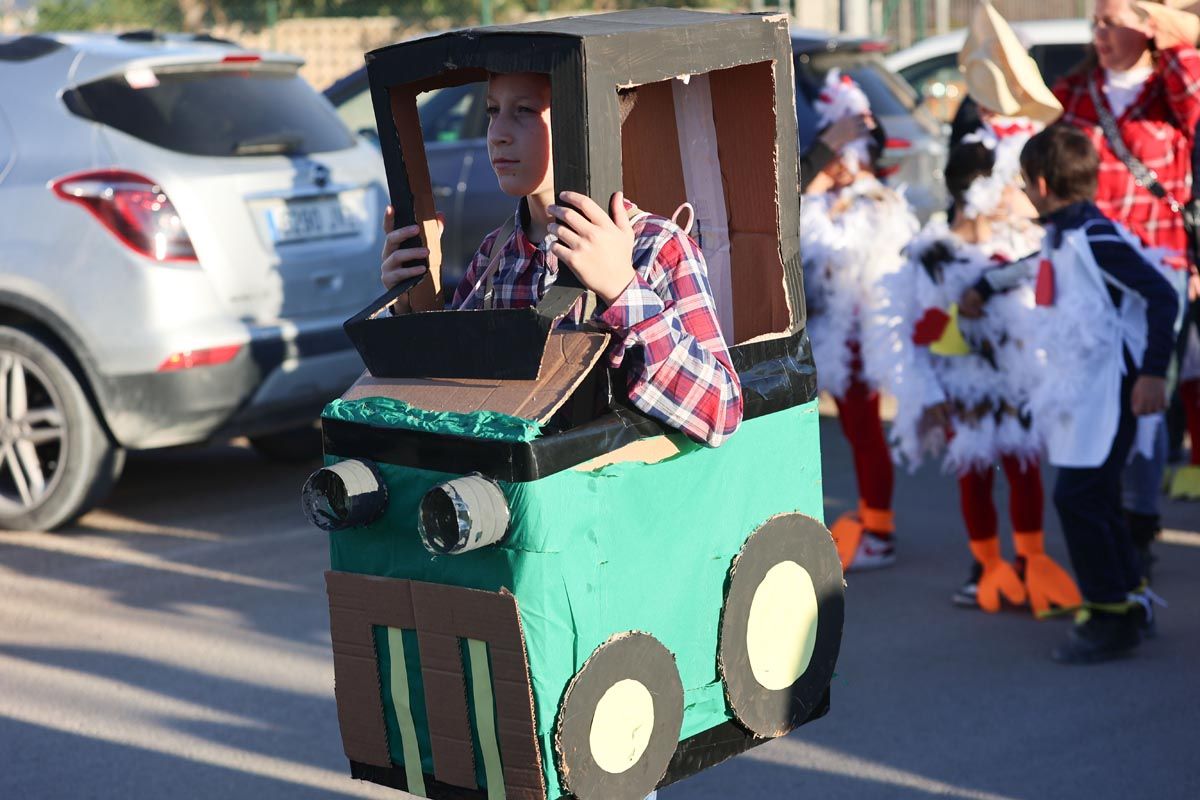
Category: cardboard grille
[440,615]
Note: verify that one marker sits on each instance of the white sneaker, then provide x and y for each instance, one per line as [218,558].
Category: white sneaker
[874,552]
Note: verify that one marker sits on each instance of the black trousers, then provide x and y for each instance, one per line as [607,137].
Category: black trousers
[1088,502]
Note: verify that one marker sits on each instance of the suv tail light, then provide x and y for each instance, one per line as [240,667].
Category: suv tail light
[134,208]
[209,357]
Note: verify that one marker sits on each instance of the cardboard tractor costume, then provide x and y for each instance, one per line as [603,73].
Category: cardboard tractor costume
[537,592]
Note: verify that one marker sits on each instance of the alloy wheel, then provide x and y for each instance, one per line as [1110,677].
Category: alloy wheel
[33,435]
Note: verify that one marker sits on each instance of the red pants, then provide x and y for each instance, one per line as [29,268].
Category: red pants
[1189,393]
[1025,499]
[858,413]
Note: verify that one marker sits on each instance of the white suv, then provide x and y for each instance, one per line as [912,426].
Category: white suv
[184,225]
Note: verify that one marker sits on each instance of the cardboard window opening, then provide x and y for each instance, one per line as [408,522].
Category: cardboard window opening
[709,139]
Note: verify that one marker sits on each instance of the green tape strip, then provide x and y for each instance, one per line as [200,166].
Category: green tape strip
[404,715]
[485,718]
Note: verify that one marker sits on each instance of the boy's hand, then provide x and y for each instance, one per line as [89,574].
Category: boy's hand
[970,305]
[1149,395]
[597,248]
[847,130]
[395,267]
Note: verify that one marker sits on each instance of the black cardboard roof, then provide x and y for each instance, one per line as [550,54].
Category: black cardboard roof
[586,58]
[629,47]
[616,23]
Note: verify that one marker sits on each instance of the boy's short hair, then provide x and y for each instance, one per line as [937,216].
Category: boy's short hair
[967,162]
[1066,158]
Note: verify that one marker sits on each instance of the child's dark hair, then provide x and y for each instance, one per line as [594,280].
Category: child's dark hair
[966,163]
[1066,158]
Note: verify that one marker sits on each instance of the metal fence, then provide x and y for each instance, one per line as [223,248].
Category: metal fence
[908,21]
[332,35]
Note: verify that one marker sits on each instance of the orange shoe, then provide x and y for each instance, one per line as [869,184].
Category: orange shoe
[1048,584]
[863,539]
[847,534]
[999,578]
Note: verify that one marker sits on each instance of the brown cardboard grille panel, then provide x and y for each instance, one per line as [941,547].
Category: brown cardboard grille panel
[440,615]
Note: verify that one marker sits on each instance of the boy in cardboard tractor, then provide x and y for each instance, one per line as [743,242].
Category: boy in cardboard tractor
[547,580]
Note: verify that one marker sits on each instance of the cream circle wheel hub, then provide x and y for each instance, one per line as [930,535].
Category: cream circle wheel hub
[621,726]
[782,629]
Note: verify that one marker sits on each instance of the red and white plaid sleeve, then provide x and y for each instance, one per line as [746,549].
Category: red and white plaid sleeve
[682,375]
[1180,68]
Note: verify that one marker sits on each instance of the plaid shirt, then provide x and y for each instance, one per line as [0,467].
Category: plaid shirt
[665,323]
[1158,128]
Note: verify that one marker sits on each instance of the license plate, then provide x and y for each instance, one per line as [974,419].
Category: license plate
[303,220]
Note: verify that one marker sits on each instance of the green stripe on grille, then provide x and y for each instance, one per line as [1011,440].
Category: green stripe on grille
[404,715]
[485,717]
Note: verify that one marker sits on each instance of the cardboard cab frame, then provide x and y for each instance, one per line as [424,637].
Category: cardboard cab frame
[536,591]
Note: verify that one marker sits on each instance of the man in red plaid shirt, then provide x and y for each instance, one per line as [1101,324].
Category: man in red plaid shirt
[1151,83]
[649,276]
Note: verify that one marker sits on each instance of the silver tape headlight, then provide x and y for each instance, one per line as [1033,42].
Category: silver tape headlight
[463,514]
[346,495]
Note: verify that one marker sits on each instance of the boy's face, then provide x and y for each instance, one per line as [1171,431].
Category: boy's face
[518,108]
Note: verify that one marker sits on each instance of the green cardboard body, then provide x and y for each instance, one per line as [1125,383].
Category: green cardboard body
[630,546]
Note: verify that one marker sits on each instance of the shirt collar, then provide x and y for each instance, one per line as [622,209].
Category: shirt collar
[1070,217]
[525,245]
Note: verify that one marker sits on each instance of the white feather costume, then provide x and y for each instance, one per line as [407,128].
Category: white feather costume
[850,240]
[841,97]
[986,391]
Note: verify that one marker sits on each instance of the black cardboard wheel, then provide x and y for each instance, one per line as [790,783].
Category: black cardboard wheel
[781,626]
[619,721]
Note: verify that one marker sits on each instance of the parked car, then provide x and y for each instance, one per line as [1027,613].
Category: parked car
[454,125]
[184,226]
[931,66]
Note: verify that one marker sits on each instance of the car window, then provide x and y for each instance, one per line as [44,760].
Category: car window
[1056,60]
[939,84]
[358,113]
[447,115]
[451,114]
[215,112]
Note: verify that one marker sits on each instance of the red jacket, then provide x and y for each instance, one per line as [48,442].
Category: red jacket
[1158,128]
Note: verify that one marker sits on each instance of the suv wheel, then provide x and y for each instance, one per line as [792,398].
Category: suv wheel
[56,462]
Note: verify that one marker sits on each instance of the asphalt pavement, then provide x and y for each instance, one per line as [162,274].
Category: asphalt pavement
[175,643]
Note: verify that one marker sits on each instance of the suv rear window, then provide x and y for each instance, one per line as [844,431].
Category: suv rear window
[216,112]
[888,94]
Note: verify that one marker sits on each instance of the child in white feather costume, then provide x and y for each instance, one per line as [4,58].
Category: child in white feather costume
[853,229]
[963,384]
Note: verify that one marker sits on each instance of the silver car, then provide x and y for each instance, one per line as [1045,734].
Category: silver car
[184,226]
